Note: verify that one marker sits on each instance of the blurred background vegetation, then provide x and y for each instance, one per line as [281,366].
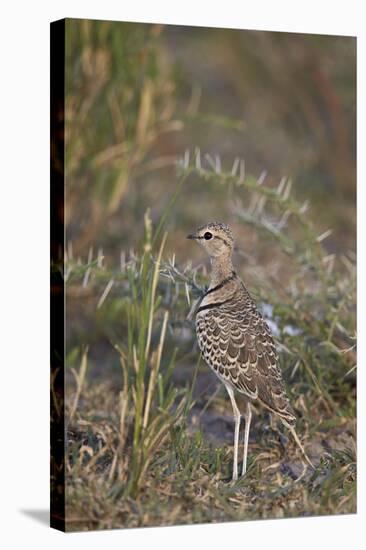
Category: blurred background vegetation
[168,127]
[139,95]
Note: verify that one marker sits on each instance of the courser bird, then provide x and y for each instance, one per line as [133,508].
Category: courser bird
[236,342]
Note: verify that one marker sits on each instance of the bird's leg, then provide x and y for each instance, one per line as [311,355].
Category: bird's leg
[248,418]
[236,434]
[298,442]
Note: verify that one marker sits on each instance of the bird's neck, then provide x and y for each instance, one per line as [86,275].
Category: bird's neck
[221,268]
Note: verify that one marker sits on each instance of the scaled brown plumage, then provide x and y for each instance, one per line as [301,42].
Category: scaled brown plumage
[237,344]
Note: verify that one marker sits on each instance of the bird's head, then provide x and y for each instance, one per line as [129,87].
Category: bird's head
[216,238]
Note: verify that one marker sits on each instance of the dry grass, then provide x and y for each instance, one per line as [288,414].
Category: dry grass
[187,480]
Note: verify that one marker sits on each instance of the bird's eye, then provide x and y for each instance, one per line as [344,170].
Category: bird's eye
[207,235]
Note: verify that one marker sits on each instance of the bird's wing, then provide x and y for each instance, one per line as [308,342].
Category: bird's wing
[240,348]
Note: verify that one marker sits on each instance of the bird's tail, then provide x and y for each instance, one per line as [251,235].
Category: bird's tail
[297,441]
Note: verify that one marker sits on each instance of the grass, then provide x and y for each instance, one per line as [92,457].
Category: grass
[140,451]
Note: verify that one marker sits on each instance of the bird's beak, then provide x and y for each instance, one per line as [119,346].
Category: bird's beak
[191,236]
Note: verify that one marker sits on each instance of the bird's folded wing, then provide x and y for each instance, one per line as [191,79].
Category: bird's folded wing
[242,351]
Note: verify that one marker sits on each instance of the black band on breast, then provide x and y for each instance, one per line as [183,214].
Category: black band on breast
[222,284]
[215,304]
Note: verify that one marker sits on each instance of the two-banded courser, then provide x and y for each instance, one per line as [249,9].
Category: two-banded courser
[236,342]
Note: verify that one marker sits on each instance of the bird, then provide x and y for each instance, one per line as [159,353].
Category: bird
[236,342]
